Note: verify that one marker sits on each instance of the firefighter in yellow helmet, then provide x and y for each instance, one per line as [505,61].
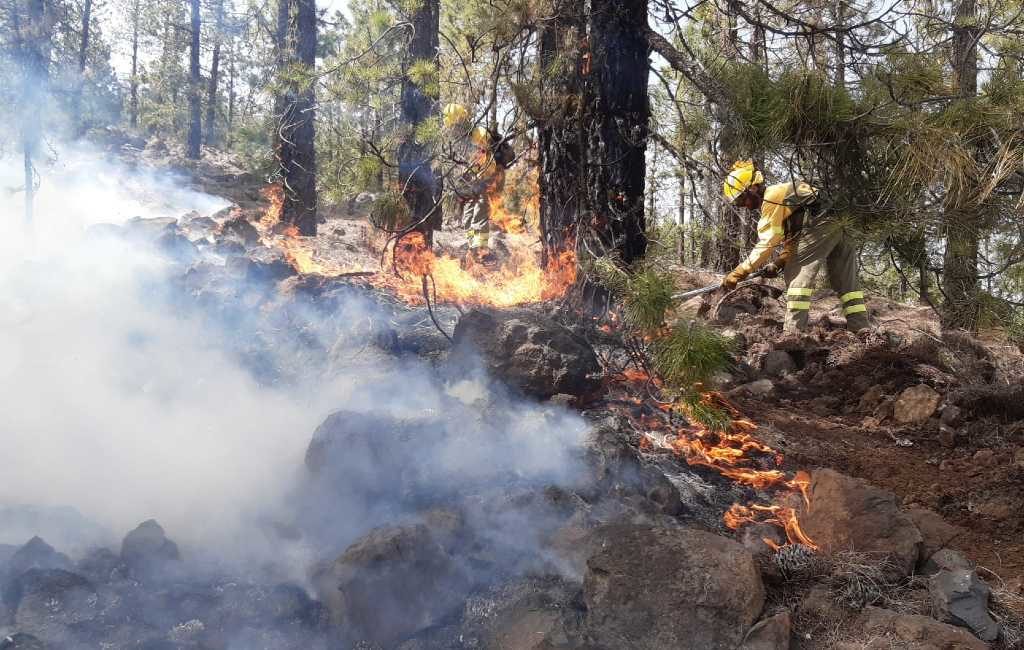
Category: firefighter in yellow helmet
[483,178]
[796,216]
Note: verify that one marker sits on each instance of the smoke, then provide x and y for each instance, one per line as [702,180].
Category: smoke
[119,407]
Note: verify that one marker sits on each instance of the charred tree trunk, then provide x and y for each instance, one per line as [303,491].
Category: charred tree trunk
[83,52]
[560,133]
[36,64]
[298,131]
[133,102]
[960,264]
[195,127]
[231,92]
[617,121]
[420,183]
[211,96]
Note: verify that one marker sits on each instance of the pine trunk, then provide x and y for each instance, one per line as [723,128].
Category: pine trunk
[211,96]
[960,265]
[36,57]
[617,121]
[195,127]
[83,52]
[560,134]
[421,184]
[298,129]
[133,103]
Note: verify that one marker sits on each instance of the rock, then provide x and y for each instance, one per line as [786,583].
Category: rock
[146,550]
[616,469]
[44,598]
[936,532]
[884,410]
[961,598]
[1018,458]
[985,458]
[950,414]
[390,584]
[779,363]
[238,229]
[262,265]
[850,514]
[914,631]
[36,554]
[946,560]
[149,230]
[770,634]
[871,398]
[947,436]
[531,613]
[102,565]
[177,247]
[670,588]
[530,352]
[759,388]
[916,404]
[21,641]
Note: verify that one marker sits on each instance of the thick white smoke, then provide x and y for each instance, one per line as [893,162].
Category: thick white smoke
[125,411]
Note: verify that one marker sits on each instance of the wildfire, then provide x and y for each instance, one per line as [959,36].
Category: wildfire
[520,279]
[734,453]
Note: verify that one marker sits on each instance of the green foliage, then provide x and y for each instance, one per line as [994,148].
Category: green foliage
[690,354]
[390,212]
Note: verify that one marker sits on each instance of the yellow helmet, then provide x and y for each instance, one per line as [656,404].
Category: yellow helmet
[455,114]
[742,176]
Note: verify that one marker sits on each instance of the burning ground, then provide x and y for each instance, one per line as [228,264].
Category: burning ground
[329,471]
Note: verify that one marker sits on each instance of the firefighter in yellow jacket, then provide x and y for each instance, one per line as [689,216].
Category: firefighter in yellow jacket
[795,216]
[482,180]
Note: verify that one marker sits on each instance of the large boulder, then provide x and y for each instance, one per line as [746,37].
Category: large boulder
[526,614]
[390,584]
[912,631]
[35,554]
[531,352]
[847,514]
[936,532]
[147,552]
[670,588]
[47,601]
[961,598]
[770,634]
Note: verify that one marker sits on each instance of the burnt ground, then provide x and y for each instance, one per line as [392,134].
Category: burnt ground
[971,470]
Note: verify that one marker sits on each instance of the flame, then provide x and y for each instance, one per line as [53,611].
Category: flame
[274,195]
[733,453]
[517,278]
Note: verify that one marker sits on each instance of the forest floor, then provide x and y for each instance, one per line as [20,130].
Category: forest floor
[831,404]
[833,408]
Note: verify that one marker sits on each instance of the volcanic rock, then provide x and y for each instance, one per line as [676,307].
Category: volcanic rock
[871,398]
[961,598]
[936,532]
[261,265]
[149,229]
[147,551]
[35,554]
[528,614]
[946,560]
[102,565]
[47,600]
[847,514]
[779,363]
[530,352]
[670,588]
[769,634]
[241,231]
[916,404]
[390,584]
[21,641]
[914,631]
[758,388]
[177,247]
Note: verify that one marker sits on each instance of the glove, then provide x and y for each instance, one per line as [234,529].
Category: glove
[770,270]
[735,277]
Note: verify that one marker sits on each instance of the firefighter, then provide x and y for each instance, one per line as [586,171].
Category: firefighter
[796,216]
[482,180]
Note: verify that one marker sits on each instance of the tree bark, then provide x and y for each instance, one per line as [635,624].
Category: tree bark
[960,265]
[36,62]
[560,136]
[231,92]
[211,96]
[133,102]
[617,121]
[83,51]
[416,174]
[195,127]
[298,131]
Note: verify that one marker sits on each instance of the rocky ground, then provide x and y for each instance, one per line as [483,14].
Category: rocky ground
[911,441]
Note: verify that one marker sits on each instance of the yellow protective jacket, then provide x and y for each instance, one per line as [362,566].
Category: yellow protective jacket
[780,202]
[484,173]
